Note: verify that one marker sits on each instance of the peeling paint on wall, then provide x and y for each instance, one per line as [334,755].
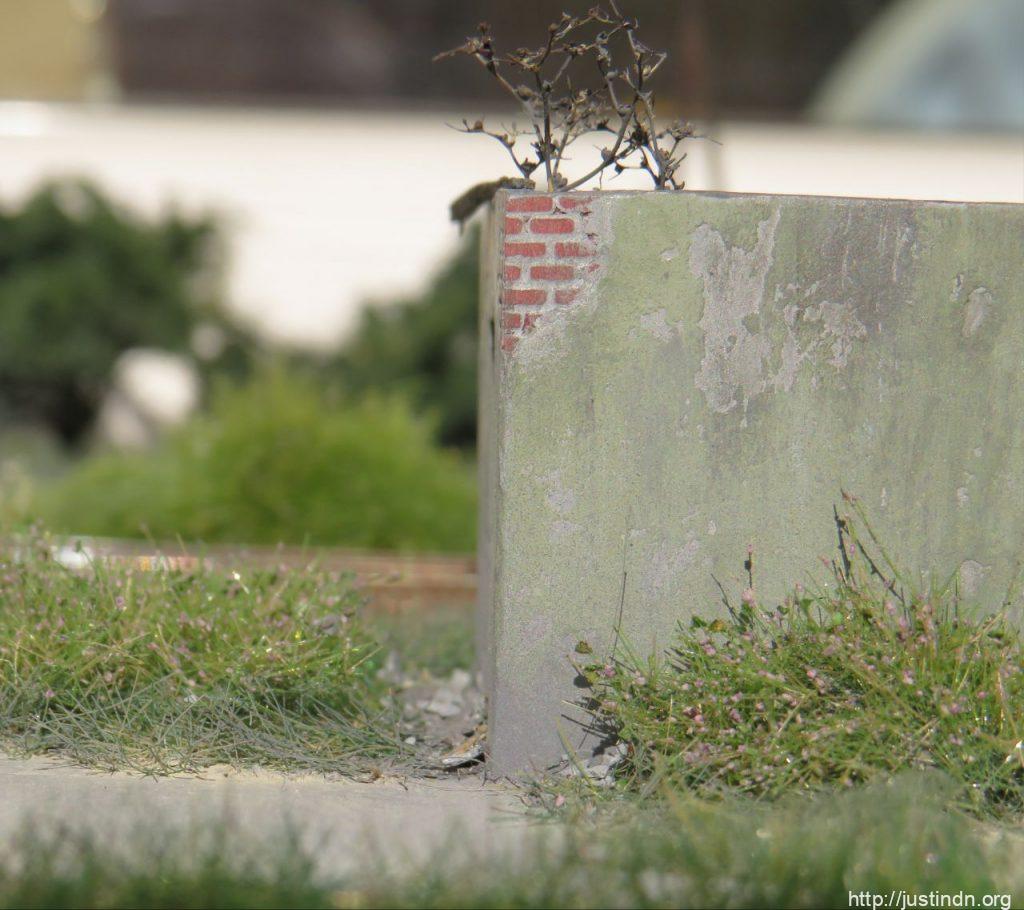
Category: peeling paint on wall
[841,326]
[656,323]
[557,496]
[979,304]
[732,370]
[972,573]
[755,343]
[661,571]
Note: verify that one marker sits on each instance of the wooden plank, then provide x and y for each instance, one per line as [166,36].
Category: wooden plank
[392,582]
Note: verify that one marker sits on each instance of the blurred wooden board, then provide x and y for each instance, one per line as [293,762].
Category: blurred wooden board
[392,582]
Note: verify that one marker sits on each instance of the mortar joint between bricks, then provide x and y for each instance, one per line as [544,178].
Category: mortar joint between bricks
[546,253]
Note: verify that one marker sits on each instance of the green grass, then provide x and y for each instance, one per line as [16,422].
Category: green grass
[197,866]
[279,459]
[838,686]
[871,726]
[166,671]
[890,837]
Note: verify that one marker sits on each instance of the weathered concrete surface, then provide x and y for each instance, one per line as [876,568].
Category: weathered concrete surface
[345,826]
[727,365]
[486,479]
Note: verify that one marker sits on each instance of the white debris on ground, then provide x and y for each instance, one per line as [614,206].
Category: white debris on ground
[469,751]
[599,768]
[443,718]
[450,699]
[75,558]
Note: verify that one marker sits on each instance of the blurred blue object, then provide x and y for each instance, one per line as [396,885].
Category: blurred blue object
[950,64]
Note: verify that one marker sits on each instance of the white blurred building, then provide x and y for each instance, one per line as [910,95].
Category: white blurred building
[328,210]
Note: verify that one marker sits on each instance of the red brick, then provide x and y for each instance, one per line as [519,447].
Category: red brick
[530,319]
[573,202]
[551,225]
[512,272]
[525,249]
[572,250]
[511,321]
[568,295]
[509,342]
[513,225]
[515,297]
[552,272]
[530,204]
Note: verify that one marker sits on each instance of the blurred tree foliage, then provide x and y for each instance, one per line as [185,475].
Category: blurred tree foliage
[426,348]
[81,281]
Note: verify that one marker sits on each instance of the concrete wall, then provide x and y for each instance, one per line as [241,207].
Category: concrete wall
[707,376]
[490,255]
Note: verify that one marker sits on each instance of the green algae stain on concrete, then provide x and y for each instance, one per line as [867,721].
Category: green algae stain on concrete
[740,360]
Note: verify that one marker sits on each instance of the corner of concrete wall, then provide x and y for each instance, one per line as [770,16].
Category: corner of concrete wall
[487,452]
[548,256]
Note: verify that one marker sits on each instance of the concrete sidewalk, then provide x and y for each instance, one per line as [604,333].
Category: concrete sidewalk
[342,824]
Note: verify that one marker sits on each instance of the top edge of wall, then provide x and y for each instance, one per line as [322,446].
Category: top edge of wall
[724,194]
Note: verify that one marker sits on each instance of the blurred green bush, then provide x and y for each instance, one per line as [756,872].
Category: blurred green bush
[425,347]
[81,281]
[279,459]
[282,458]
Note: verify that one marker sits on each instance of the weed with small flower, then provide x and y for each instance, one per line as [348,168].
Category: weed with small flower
[860,679]
[166,671]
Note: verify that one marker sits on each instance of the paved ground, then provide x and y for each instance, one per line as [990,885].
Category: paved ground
[343,823]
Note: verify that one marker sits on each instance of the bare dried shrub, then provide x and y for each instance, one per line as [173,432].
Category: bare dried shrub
[592,75]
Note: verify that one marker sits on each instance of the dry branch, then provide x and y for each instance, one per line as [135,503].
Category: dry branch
[601,45]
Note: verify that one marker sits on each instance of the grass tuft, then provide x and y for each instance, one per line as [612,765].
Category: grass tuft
[167,671]
[200,866]
[835,687]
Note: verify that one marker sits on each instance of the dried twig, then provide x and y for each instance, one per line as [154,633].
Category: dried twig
[621,105]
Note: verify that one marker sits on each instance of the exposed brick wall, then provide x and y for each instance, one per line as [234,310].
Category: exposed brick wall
[548,249]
